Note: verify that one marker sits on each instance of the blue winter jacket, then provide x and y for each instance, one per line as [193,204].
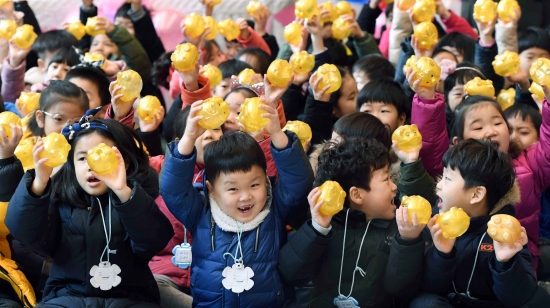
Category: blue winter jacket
[260,246]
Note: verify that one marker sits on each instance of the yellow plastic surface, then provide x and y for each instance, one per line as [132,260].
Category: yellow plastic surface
[478,86]
[301,129]
[306,8]
[25,125]
[426,34]
[341,29]
[24,36]
[213,74]
[131,84]
[95,56]
[537,90]
[293,33]
[453,223]
[423,10]
[506,64]
[7,118]
[91,23]
[30,100]
[343,8]
[406,4]
[427,70]
[331,9]
[77,29]
[214,112]
[333,196]
[148,106]
[245,77]
[210,22]
[506,9]
[251,115]
[540,71]
[185,57]
[56,149]
[410,61]
[7,29]
[279,72]
[506,98]
[194,25]
[418,205]
[504,228]
[330,76]
[214,2]
[102,159]
[302,62]
[407,137]
[253,8]
[485,10]
[229,29]
[23,151]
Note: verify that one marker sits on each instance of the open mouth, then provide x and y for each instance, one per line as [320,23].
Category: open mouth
[92,181]
[246,209]
[495,143]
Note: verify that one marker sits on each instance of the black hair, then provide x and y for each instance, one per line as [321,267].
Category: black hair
[388,9]
[463,43]
[374,67]
[459,77]
[363,125]
[161,69]
[526,112]
[386,91]
[533,37]
[123,10]
[250,23]
[351,162]
[235,152]
[51,41]
[263,60]
[65,55]
[480,163]
[246,92]
[470,102]
[232,67]
[58,91]
[180,122]
[64,183]
[209,47]
[443,50]
[336,51]
[95,76]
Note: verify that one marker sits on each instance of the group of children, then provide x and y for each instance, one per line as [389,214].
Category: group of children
[223,217]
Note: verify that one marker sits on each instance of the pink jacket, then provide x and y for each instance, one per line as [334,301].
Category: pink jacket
[254,40]
[13,80]
[456,23]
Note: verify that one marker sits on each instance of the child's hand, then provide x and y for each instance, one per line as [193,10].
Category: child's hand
[273,127]
[314,206]
[486,30]
[87,3]
[120,109]
[521,78]
[116,180]
[304,34]
[421,52]
[190,78]
[103,23]
[313,26]
[136,4]
[42,172]
[199,41]
[409,230]
[299,79]
[319,94]
[151,127]
[192,131]
[442,244]
[273,93]
[504,252]
[442,10]
[423,92]
[16,54]
[111,68]
[406,157]
[261,21]
[243,25]
[513,23]
[7,146]
[354,26]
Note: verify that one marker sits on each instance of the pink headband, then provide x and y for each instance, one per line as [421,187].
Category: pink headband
[258,88]
[448,67]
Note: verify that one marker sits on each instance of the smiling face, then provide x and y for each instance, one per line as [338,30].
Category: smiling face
[486,122]
[241,195]
[378,202]
[103,44]
[84,176]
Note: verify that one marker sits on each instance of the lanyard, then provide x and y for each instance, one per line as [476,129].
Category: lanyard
[107,234]
[473,270]
[239,246]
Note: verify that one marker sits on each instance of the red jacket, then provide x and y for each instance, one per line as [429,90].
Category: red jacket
[456,23]
[254,40]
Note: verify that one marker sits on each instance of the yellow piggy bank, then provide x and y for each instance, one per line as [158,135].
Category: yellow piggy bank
[213,74]
[102,159]
[148,106]
[24,36]
[330,76]
[212,25]
[254,8]
[407,138]
[506,98]
[506,64]
[341,28]
[251,115]
[131,84]
[343,8]
[333,14]
[485,10]
[293,33]
[302,62]
[214,112]
[94,57]
[279,73]
[426,34]
[453,223]
[77,29]
[30,101]
[507,9]
[194,25]
[301,129]
[333,197]
[306,8]
[418,205]
[410,61]
[24,153]
[540,71]
[504,228]
[229,29]
[406,4]
[7,118]
[56,150]
[245,77]
[7,29]
[537,90]
[185,57]
[91,24]
[427,70]
[478,86]
[423,10]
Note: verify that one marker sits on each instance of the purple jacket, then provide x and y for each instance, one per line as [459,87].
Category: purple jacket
[532,166]
[13,80]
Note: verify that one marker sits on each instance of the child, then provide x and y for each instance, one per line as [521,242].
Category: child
[370,68]
[368,238]
[244,219]
[68,213]
[525,122]
[385,99]
[94,82]
[258,59]
[247,38]
[228,69]
[480,179]
[533,43]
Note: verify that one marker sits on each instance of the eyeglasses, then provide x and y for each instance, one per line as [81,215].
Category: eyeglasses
[58,118]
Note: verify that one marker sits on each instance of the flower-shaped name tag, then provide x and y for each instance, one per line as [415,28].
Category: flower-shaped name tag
[237,278]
